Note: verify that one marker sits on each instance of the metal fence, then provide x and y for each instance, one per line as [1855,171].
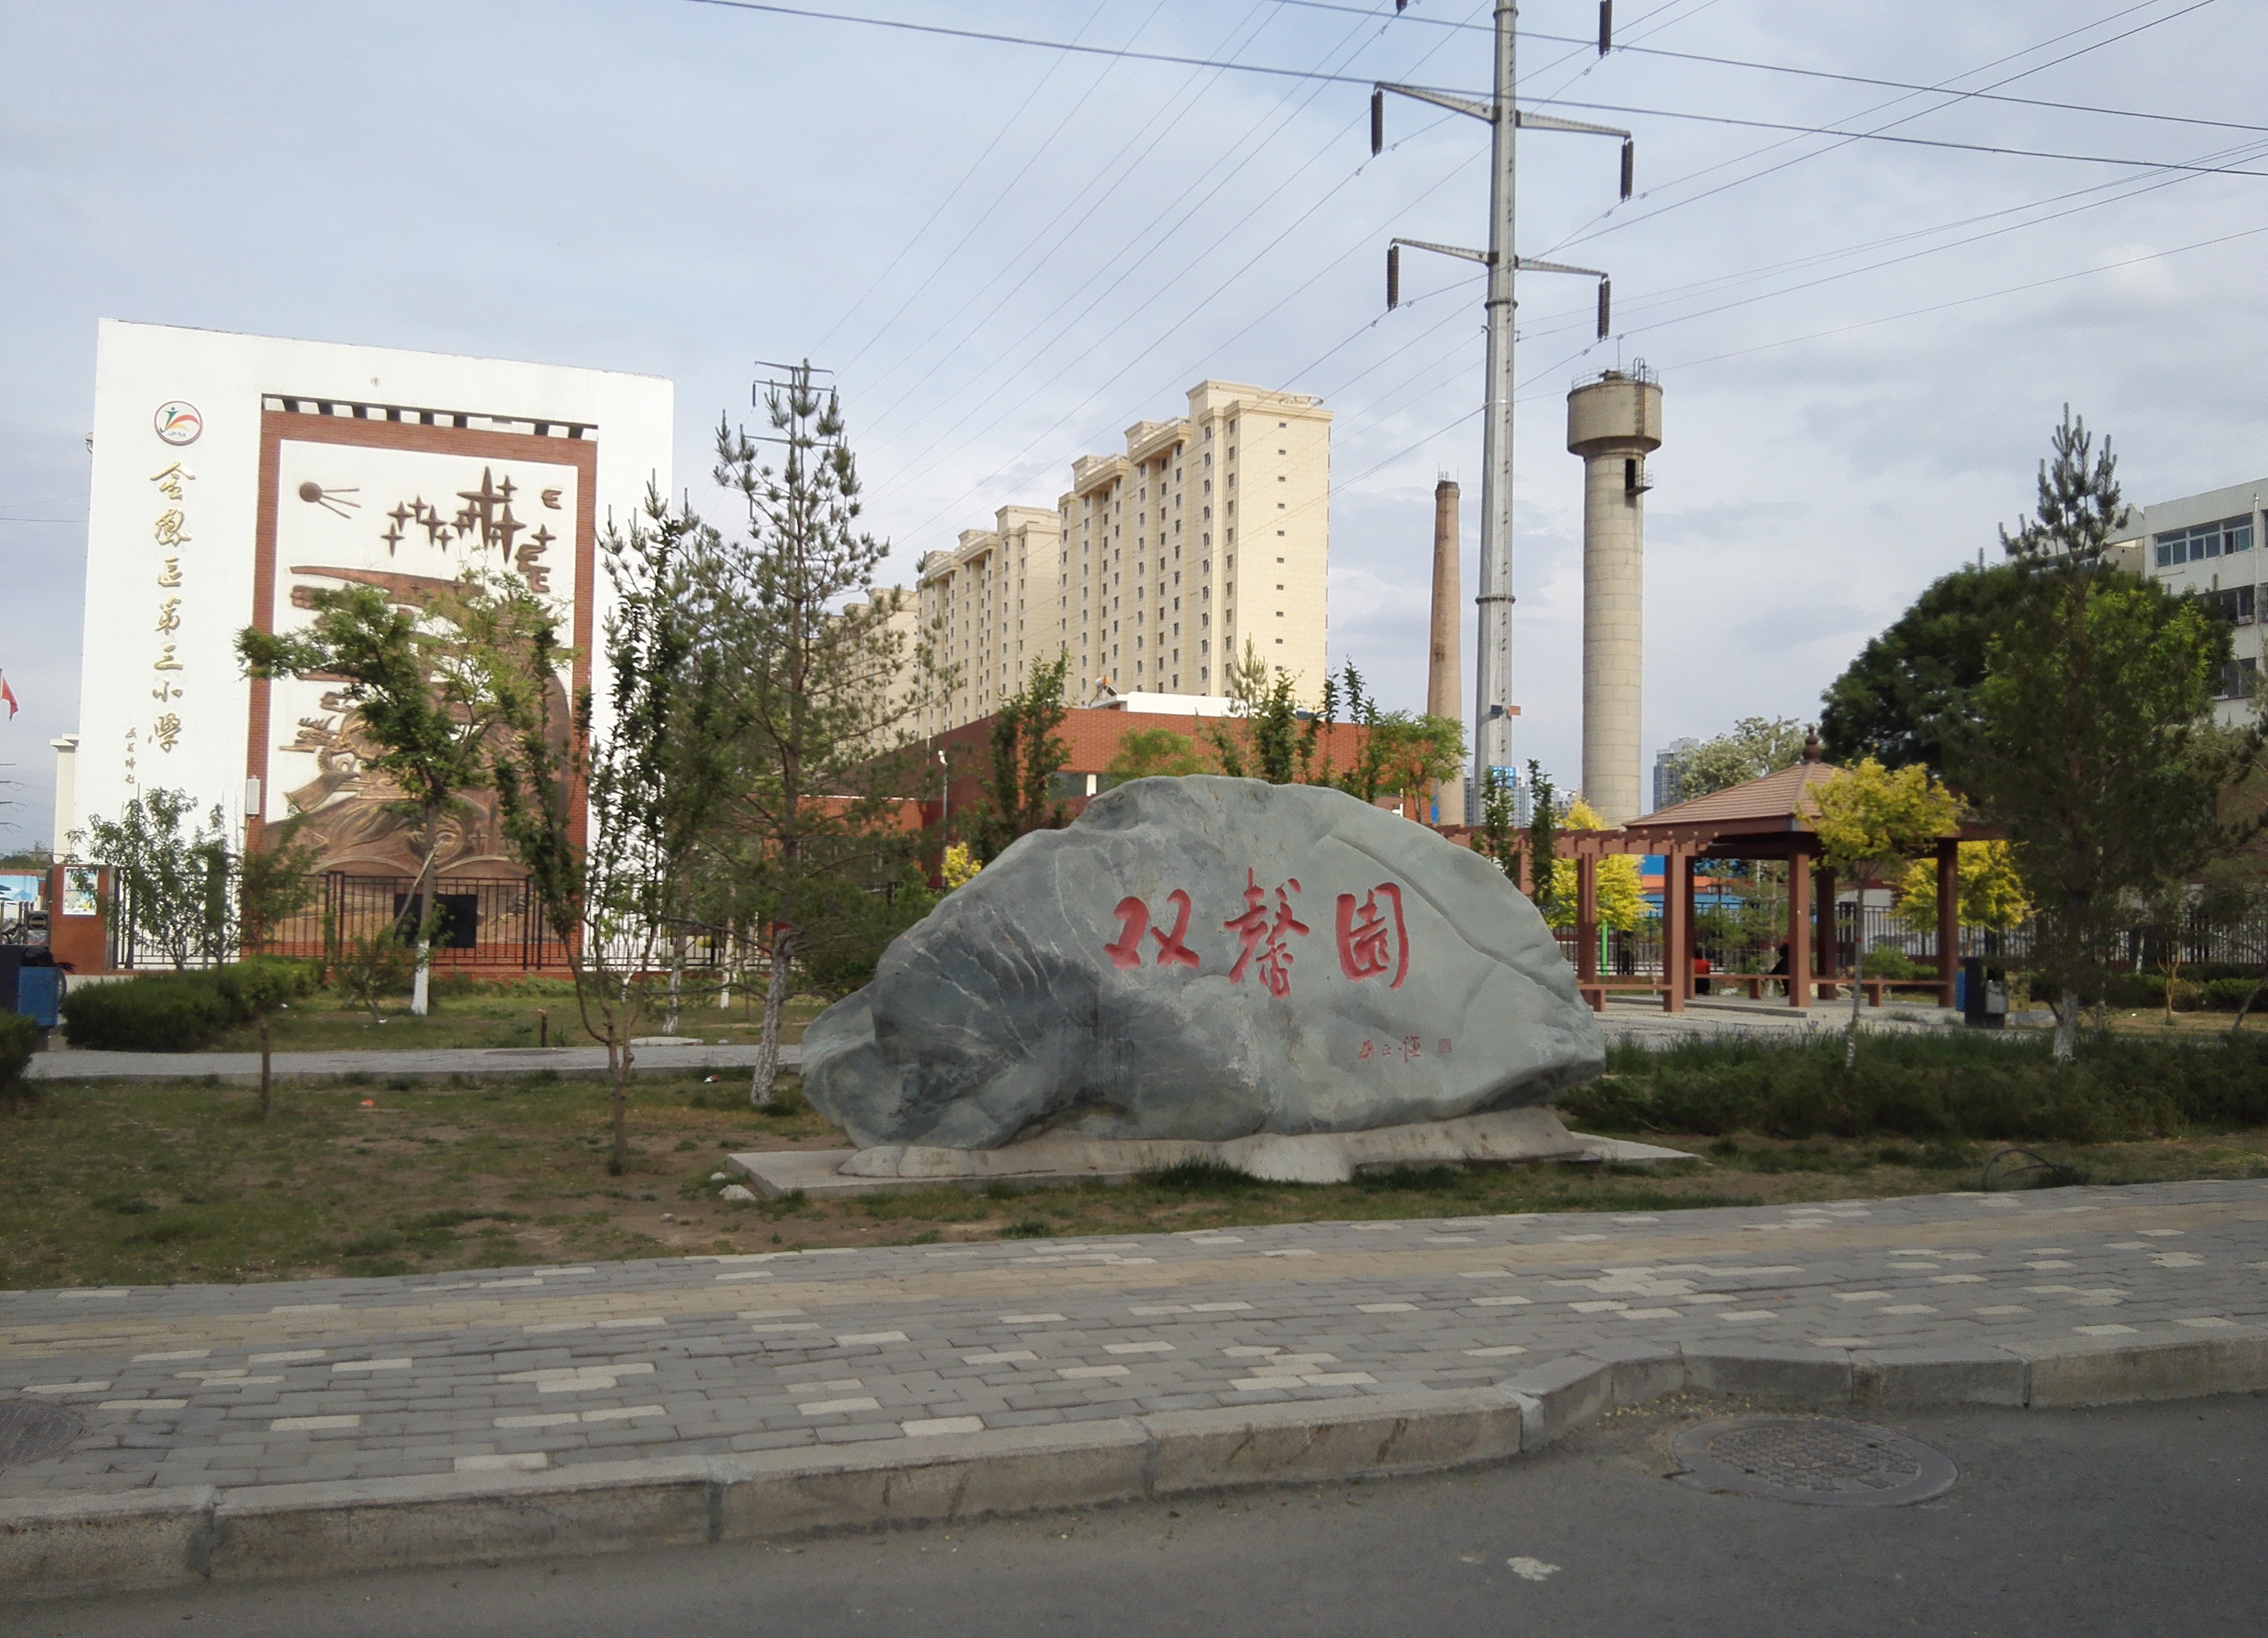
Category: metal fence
[1637,954]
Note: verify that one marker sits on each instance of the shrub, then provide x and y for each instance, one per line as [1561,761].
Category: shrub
[1940,1088]
[167,1013]
[19,1038]
[1890,962]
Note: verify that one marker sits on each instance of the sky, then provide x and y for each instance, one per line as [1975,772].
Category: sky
[1008,253]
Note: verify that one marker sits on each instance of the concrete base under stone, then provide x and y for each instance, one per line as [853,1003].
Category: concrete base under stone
[1505,1138]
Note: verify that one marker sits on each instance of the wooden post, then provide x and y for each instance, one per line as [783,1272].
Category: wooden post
[1830,951]
[1676,929]
[1799,930]
[1586,917]
[1948,918]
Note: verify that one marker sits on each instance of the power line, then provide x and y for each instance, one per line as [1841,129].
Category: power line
[1324,76]
[905,246]
[904,479]
[1621,45]
[1599,225]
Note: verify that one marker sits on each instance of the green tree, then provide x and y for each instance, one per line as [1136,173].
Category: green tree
[173,885]
[264,984]
[1153,753]
[1756,746]
[1027,756]
[1871,821]
[1990,893]
[1261,739]
[1499,836]
[822,758]
[1542,837]
[615,818]
[2091,735]
[2079,509]
[1891,702]
[436,682]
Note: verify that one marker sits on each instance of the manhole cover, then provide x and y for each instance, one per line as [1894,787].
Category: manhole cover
[1802,1459]
[32,1432]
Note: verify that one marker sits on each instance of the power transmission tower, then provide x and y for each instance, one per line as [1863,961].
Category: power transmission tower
[1492,681]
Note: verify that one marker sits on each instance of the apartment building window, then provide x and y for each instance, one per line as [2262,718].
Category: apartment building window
[2234,604]
[2240,679]
[2207,540]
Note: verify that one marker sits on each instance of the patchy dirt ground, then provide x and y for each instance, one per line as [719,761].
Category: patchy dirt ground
[150,1183]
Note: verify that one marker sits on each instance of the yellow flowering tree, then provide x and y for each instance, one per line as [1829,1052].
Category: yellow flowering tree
[1872,821]
[960,866]
[1992,894]
[1621,904]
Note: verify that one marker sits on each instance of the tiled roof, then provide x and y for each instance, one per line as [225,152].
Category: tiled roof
[1775,797]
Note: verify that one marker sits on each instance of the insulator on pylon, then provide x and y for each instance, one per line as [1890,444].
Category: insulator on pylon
[1377,122]
[1630,165]
[1606,307]
[1606,26]
[1393,277]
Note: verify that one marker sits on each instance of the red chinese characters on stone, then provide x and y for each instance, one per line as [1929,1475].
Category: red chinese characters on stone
[1263,935]
[1134,920]
[1370,943]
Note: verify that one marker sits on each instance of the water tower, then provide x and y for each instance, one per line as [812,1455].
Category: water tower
[1614,422]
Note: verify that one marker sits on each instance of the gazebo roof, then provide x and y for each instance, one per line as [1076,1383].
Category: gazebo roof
[1766,818]
[1778,801]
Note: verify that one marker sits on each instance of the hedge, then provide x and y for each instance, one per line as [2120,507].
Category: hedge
[1952,1086]
[174,1012]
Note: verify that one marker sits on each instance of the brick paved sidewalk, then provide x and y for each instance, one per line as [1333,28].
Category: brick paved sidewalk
[529,1369]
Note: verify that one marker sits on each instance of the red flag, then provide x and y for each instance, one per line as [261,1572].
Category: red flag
[7,694]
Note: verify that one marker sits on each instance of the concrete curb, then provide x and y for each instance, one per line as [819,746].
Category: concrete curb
[166,1538]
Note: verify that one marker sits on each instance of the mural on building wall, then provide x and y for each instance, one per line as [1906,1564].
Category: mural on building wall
[409,522]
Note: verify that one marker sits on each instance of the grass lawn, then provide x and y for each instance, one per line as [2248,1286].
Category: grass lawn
[133,1184]
[494,1015]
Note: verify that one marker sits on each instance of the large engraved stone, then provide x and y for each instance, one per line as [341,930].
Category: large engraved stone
[1207,958]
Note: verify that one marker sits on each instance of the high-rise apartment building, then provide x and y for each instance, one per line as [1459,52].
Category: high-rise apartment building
[1210,534]
[990,608]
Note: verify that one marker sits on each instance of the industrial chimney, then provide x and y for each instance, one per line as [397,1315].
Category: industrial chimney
[1443,668]
[1614,422]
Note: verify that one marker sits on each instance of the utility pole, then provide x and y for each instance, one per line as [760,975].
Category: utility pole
[1492,658]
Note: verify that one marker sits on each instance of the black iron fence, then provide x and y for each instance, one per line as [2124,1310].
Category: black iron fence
[482,922]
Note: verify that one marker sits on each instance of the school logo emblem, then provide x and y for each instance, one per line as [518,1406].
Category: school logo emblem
[177,423]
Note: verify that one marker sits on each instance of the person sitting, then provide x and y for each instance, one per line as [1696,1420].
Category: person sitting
[1701,970]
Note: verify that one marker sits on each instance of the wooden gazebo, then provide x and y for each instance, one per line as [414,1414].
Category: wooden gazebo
[1766,818]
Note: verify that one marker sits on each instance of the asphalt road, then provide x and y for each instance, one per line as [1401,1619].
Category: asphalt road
[2142,1519]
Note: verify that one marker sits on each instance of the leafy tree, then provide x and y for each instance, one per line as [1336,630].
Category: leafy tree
[1542,834]
[264,984]
[1027,756]
[1619,887]
[173,885]
[275,883]
[616,871]
[1871,821]
[1892,701]
[2092,740]
[818,678]
[1153,753]
[1262,738]
[1499,836]
[1756,746]
[1990,894]
[435,684]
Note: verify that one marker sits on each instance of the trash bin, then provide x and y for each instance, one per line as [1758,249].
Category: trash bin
[40,995]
